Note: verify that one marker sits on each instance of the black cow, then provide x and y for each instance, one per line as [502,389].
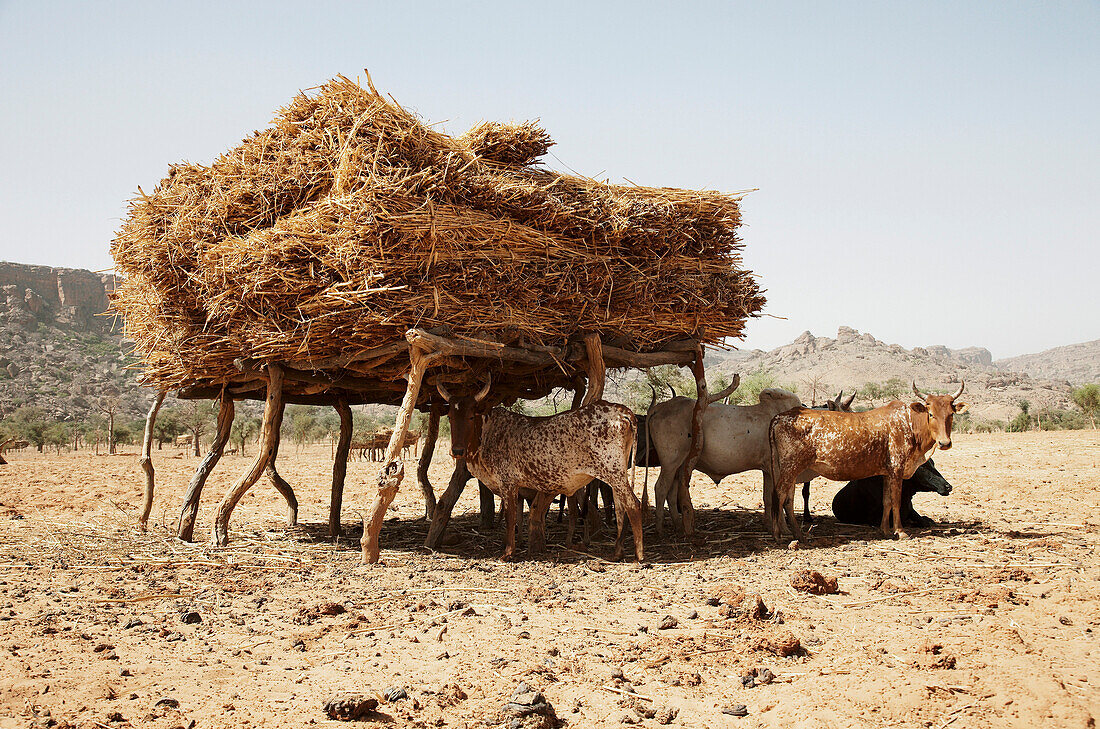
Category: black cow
[860,502]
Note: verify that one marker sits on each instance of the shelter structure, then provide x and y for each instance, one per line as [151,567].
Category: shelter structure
[350,253]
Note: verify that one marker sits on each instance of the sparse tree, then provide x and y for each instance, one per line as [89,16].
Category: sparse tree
[30,423]
[244,428]
[196,417]
[109,403]
[57,435]
[167,426]
[894,388]
[872,391]
[1087,398]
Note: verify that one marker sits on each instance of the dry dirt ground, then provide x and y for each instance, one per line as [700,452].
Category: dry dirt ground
[989,619]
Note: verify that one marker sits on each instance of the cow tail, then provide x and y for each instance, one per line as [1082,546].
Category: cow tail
[633,452]
[773,458]
[645,482]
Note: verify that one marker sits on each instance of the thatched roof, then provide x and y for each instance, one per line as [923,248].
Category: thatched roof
[322,239]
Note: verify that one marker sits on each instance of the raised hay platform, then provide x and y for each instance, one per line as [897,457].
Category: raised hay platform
[349,238]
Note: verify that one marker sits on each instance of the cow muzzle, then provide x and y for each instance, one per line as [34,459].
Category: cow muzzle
[944,445]
[458,452]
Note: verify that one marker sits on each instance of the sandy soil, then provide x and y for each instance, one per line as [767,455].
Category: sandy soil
[990,619]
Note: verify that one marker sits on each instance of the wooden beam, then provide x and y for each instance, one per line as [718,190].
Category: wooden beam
[273,420]
[393,470]
[339,466]
[687,512]
[146,460]
[426,458]
[595,369]
[185,530]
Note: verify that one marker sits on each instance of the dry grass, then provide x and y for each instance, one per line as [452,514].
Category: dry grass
[349,221]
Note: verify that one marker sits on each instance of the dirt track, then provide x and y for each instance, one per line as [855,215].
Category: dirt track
[990,619]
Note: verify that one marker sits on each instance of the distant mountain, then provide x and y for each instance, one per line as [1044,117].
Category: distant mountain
[1076,363]
[853,359]
[57,350]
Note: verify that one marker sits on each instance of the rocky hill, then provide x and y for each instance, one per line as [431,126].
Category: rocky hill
[1077,363]
[852,359]
[57,350]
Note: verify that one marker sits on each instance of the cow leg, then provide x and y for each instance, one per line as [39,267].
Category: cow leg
[273,420]
[509,503]
[488,509]
[891,506]
[627,506]
[806,517]
[282,486]
[574,507]
[426,461]
[661,490]
[608,496]
[339,467]
[186,528]
[792,518]
[536,523]
[446,504]
[593,527]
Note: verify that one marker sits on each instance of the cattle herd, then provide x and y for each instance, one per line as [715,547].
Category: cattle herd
[883,453]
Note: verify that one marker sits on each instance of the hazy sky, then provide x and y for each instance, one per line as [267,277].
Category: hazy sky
[929,172]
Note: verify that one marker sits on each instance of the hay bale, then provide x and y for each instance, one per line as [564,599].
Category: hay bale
[348,221]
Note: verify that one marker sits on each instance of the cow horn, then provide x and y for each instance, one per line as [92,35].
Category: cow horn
[917,392]
[484,391]
[443,391]
[962,384]
[847,403]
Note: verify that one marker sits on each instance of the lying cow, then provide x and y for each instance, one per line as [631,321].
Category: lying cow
[860,502]
[840,404]
[551,455]
[889,441]
[735,439]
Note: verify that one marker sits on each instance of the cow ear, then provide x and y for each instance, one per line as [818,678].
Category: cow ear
[961,407]
[918,407]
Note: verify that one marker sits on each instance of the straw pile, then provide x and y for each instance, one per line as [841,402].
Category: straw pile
[349,221]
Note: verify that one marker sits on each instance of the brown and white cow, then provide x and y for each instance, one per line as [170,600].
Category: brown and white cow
[890,441]
[559,454]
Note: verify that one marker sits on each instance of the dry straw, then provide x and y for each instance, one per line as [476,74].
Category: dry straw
[349,221]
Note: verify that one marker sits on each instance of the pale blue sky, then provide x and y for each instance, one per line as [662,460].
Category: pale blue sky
[928,172]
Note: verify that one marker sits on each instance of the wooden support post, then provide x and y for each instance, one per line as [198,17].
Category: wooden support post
[579,390]
[226,410]
[595,369]
[426,459]
[687,512]
[339,467]
[446,504]
[393,470]
[269,437]
[146,460]
[280,483]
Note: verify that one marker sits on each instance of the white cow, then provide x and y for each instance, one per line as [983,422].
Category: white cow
[735,439]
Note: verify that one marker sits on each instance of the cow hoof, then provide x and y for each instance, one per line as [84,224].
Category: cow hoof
[902,534]
[508,557]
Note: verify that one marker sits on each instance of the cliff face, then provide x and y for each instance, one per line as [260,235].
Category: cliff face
[853,359]
[57,350]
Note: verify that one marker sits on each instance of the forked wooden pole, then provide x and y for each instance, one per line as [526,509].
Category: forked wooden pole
[146,461]
[595,368]
[339,467]
[273,420]
[393,470]
[426,459]
[226,410]
[280,483]
[687,512]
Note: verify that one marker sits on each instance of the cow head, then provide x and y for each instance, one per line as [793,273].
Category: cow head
[939,410]
[467,412]
[841,403]
[928,478]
